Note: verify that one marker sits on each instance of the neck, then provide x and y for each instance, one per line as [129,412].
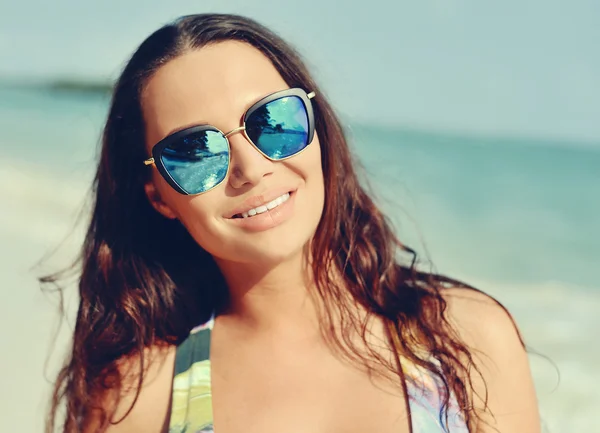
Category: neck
[273,297]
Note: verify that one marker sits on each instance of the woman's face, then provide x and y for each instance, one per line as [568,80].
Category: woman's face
[216,85]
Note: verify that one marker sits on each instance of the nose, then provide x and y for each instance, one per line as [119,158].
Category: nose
[248,165]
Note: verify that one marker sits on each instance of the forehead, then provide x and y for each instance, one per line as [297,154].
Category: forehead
[214,85]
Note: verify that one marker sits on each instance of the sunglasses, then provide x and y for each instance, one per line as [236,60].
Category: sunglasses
[197,159]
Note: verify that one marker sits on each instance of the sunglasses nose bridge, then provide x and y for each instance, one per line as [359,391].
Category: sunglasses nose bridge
[233,131]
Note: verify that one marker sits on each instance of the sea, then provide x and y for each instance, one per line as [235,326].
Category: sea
[516,217]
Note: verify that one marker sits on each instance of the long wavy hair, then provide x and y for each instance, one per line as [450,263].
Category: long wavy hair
[143,280]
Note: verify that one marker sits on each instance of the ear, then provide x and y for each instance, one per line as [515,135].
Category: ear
[157,203]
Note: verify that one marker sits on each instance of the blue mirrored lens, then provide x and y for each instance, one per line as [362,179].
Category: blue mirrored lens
[279,128]
[197,162]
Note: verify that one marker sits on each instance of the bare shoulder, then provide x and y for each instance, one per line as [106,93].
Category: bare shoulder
[505,384]
[481,320]
[146,411]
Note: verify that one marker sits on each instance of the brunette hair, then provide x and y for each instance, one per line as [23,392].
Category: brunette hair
[144,281]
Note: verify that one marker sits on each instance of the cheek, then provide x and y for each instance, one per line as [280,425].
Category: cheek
[312,172]
[196,213]
[313,166]
[317,195]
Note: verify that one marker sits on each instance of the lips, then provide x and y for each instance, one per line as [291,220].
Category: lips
[259,200]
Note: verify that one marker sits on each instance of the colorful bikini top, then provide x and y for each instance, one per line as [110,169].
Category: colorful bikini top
[192,412]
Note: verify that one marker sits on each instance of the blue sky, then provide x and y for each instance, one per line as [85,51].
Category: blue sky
[514,67]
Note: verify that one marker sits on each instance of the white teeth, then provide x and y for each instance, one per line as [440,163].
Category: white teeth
[271,205]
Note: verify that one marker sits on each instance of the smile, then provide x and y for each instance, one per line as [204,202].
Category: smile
[264,208]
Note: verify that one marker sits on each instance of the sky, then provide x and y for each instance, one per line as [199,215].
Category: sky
[521,68]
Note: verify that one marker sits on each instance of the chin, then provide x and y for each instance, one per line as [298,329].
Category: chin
[274,251]
[268,248]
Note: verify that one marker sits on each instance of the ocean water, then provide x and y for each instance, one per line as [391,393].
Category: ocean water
[519,219]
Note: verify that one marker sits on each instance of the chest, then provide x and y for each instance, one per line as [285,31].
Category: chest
[279,389]
[302,391]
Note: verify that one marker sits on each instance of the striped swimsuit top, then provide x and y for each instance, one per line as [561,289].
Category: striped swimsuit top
[192,412]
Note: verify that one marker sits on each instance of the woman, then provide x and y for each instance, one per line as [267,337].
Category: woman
[236,274]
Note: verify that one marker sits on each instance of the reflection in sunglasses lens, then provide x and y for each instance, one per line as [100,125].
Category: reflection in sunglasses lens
[197,162]
[280,127]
